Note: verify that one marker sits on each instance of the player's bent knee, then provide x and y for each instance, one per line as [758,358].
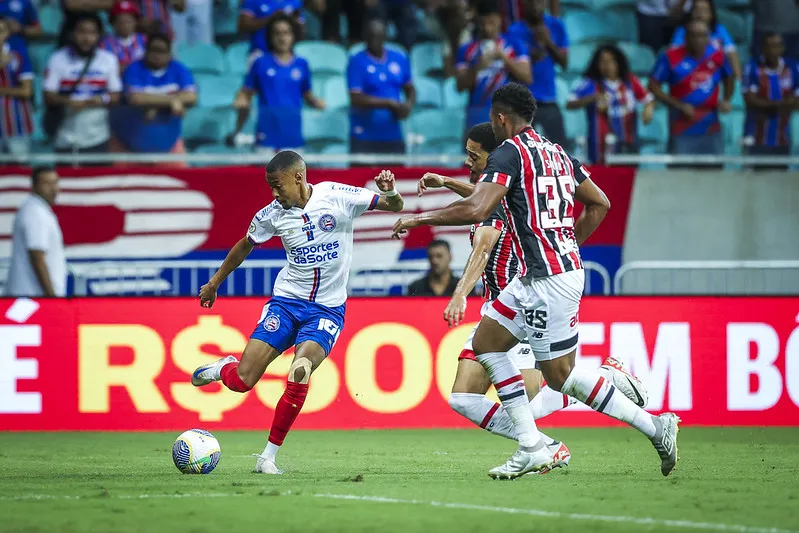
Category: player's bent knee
[300,370]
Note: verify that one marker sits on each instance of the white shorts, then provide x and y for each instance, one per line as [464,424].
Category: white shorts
[521,355]
[543,311]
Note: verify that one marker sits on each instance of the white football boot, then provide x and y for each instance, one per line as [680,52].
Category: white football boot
[522,462]
[629,385]
[665,441]
[209,373]
[265,465]
[561,458]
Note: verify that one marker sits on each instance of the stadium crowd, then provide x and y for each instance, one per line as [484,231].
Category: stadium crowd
[150,76]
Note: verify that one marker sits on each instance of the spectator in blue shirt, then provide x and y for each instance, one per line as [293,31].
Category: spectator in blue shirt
[377,77]
[282,82]
[23,20]
[548,45]
[158,91]
[256,15]
[705,11]
[488,62]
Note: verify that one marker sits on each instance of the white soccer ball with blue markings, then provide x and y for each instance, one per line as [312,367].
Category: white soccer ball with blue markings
[196,452]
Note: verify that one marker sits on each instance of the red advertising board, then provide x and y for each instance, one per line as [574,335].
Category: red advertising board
[150,212]
[124,364]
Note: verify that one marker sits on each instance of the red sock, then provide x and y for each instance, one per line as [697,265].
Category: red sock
[231,379]
[288,407]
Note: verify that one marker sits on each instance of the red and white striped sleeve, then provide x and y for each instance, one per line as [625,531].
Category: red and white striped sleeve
[504,165]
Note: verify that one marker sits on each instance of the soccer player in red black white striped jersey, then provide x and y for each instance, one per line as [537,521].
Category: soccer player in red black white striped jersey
[492,257]
[536,183]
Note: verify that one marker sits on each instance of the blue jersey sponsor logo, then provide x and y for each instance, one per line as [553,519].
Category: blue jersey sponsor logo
[318,253]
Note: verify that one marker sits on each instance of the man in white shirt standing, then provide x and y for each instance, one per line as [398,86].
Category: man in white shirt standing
[38,264]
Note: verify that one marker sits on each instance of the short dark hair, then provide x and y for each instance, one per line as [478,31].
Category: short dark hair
[488,7]
[483,135]
[770,35]
[277,19]
[158,36]
[91,17]
[283,161]
[36,174]
[517,99]
[438,242]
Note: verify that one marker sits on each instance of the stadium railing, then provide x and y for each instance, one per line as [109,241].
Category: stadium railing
[751,278]
[410,159]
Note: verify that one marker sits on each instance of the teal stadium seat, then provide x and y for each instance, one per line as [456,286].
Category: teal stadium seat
[575,124]
[601,5]
[226,17]
[738,102]
[427,60]
[207,126]
[732,125]
[579,57]
[428,93]
[335,93]
[562,92]
[657,131]
[453,99]
[623,23]
[51,18]
[641,58]
[736,25]
[587,27]
[203,58]
[322,57]
[437,125]
[39,54]
[795,134]
[38,91]
[324,127]
[216,91]
[574,5]
[236,59]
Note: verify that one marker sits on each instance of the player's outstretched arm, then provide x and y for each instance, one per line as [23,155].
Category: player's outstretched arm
[431,180]
[234,258]
[390,199]
[474,208]
[485,238]
[596,205]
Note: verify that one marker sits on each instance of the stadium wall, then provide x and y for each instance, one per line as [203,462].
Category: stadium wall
[124,364]
[689,215]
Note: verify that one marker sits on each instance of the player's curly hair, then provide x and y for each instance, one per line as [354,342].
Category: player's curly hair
[277,18]
[592,72]
[483,135]
[517,99]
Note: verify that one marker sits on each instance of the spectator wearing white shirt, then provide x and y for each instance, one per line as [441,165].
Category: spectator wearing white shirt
[84,128]
[38,264]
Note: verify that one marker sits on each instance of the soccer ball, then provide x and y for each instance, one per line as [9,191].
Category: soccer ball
[196,452]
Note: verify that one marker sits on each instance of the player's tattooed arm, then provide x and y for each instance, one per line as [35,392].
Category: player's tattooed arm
[431,180]
[234,258]
[470,210]
[390,199]
[485,238]
[596,205]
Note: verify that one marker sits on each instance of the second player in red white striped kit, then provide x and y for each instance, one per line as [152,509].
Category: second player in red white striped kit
[492,258]
[536,182]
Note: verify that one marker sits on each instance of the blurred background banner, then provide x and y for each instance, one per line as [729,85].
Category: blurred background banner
[123,364]
[199,213]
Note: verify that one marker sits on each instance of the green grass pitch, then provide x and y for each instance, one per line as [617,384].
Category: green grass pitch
[737,480]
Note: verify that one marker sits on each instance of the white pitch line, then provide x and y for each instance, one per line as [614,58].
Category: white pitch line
[685,524]
[569,516]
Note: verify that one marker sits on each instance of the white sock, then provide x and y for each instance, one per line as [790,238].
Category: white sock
[510,388]
[598,393]
[547,401]
[487,414]
[271,450]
